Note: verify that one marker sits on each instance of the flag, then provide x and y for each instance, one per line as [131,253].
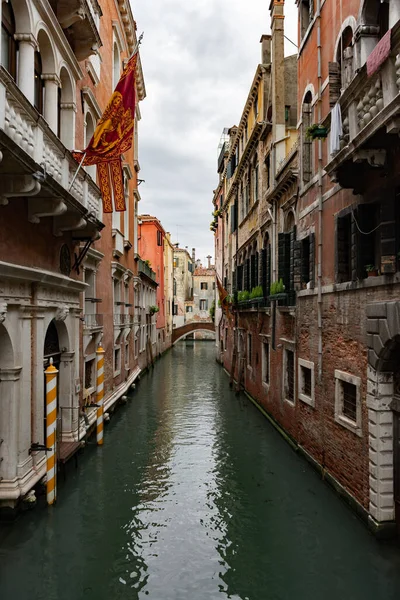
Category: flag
[223,298]
[112,137]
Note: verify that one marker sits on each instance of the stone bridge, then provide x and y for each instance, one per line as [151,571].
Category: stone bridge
[191,327]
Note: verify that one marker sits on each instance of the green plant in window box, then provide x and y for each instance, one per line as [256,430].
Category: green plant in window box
[147,263]
[372,270]
[153,310]
[316,132]
[243,296]
[256,293]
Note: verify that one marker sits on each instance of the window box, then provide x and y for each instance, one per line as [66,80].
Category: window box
[316,132]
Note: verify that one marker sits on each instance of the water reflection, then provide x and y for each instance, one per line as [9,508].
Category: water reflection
[194,496]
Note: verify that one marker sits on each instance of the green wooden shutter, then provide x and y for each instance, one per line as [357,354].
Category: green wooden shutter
[298,264]
[268,271]
[292,240]
[284,259]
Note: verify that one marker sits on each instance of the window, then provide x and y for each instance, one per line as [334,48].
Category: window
[9,46]
[288,372]
[117,361]
[255,106]
[116,65]
[90,374]
[38,83]
[345,57]
[306,15]
[344,228]
[127,354]
[214,285]
[175,310]
[204,285]
[304,260]
[307,118]
[203,304]
[176,263]
[249,350]
[265,363]
[159,238]
[286,258]
[174,287]
[306,382]
[348,401]
[189,309]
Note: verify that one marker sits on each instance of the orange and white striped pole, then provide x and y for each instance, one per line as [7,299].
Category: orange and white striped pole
[100,395]
[51,426]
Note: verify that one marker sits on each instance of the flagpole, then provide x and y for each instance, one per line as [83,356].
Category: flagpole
[137,45]
[77,171]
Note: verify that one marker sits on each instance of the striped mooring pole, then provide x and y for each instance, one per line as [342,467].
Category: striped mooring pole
[100,395]
[51,427]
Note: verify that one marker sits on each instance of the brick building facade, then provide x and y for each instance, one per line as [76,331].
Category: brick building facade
[319,351]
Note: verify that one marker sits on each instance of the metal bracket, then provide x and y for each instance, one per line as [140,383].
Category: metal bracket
[79,258]
[36,447]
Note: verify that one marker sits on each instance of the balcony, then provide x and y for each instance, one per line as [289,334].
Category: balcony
[118,239]
[78,20]
[122,319]
[93,321]
[145,269]
[370,108]
[37,166]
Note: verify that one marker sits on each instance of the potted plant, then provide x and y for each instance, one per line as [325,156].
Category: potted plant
[243,297]
[256,294]
[153,310]
[316,132]
[372,270]
[277,290]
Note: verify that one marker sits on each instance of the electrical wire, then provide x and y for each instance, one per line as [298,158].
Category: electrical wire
[360,230]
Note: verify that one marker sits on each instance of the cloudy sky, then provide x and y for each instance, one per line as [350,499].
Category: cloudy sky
[199,58]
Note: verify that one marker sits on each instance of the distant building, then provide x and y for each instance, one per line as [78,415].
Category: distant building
[151,249]
[183,287]
[203,296]
[168,287]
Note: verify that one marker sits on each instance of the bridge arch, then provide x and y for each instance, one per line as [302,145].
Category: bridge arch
[180,332]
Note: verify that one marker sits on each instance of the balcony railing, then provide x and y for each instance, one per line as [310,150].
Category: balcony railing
[93,321]
[368,105]
[146,269]
[123,319]
[30,132]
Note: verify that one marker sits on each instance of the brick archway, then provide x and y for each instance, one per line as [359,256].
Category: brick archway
[383,341]
[181,332]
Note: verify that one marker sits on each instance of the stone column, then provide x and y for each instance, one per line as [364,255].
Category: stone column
[67,125]
[26,64]
[9,408]
[394,13]
[51,85]
[380,426]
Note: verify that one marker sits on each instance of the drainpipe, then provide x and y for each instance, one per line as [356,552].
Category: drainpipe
[320,202]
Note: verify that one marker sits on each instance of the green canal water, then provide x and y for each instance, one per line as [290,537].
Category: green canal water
[194,496]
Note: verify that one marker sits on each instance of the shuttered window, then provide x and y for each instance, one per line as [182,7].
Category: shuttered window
[304,263]
[345,250]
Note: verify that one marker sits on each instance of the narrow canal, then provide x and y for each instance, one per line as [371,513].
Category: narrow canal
[193,497]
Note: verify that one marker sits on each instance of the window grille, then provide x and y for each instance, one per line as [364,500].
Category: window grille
[349,392]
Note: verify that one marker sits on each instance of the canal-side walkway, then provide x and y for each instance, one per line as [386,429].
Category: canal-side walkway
[194,496]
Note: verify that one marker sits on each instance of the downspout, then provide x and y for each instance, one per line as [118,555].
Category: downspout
[320,201]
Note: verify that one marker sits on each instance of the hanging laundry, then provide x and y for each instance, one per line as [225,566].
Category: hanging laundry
[336,129]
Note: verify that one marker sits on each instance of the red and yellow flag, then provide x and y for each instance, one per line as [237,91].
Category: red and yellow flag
[112,137]
[223,298]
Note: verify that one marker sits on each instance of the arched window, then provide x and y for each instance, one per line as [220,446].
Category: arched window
[345,57]
[38,83]
[307,143]
[116,65]
[376,12]
[9,46]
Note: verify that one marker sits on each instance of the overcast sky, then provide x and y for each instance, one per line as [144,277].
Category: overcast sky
[199,58]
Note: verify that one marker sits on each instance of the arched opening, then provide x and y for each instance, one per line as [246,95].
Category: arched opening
[6,350]
[38,97]
[116,65]
[89,131]
[345,56]
[306,142]
[47,96]
[377,12]
[66,114]
[9,46]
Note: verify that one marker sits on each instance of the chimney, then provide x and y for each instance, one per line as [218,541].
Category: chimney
[209,261]
[193,255]
[276,8]
[265,49]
